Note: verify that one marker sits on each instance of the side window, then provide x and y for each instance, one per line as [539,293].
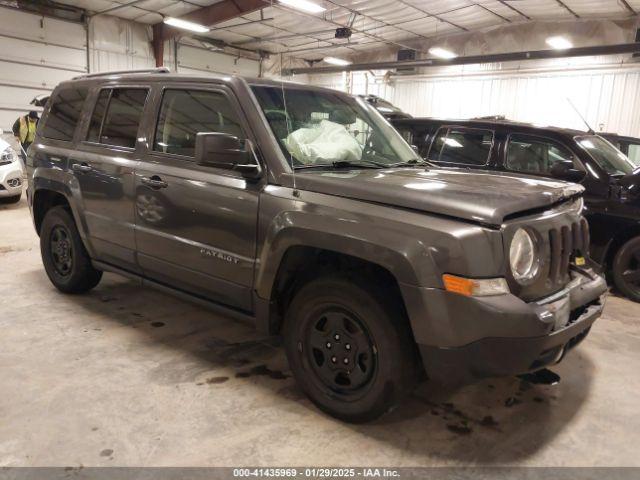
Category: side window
[116,117]
[184,113]
[634,153]
[462,146]
[406,134]
[64,114]
[98,116]
[535,155]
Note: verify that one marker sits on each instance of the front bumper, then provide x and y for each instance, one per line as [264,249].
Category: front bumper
[502,336]
[11,181]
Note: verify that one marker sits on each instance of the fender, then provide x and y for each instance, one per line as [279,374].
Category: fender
[413,247]
[302,232]
[58,181]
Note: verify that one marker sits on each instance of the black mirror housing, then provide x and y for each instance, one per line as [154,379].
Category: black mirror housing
[222,150]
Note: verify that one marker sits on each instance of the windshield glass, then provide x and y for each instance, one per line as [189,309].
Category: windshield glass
[322,128]
[610,159]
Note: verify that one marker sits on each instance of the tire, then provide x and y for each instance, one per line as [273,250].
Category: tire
[65,259]
[15,198]
[331,319]
[626,269]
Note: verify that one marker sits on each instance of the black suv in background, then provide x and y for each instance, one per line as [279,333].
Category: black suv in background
[387,109]
[630,146]
[303,211]
[610,179]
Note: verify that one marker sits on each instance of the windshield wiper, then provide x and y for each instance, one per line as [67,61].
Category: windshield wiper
[411,163]
[344,164]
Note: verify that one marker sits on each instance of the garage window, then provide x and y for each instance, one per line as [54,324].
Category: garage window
[116,117]
[462,146]
[64,114]
[185,113]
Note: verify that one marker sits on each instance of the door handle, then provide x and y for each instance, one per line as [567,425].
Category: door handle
[154,182]
[82,167]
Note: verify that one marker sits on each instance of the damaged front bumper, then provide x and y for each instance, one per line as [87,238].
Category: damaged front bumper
[518,337]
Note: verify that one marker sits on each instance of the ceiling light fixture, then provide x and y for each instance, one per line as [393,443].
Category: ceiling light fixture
[559,43]
[337,61]
[442,53]
[304,5]
[185,25]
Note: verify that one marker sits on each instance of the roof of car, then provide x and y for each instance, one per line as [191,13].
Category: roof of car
[492,123]
[619,137]
[164,75]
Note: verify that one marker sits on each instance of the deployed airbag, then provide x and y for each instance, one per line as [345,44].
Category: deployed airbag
[325,142]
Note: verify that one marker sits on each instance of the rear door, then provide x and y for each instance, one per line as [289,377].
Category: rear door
[103,166]
[462,147]
[196,225]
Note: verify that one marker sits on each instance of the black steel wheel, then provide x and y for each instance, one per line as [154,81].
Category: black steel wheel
[61,250]
[64,257]
[340,352]
[626,269]
[350,347]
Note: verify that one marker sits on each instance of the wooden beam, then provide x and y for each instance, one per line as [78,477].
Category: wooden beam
[207,16]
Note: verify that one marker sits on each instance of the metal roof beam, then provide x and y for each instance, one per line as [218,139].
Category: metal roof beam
[564,5]
[617,49]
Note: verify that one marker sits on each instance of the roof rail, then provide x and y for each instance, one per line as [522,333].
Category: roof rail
[118,72]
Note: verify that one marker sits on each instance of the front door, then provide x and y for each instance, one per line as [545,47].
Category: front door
[196,225]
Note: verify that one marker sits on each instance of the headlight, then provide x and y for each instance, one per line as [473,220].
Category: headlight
[8,155]
[522,256]
[580,205]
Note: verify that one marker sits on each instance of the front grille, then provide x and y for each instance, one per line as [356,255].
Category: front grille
[565,243]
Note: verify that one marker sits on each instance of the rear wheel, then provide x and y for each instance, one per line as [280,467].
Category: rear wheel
[626,269]
[350,352]
[65,259]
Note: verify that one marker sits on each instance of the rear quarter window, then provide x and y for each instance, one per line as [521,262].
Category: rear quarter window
[464,146]
[64,113]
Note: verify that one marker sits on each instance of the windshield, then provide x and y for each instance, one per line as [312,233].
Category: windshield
[610,159]
[316,128]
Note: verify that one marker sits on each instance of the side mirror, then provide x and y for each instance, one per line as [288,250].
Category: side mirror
[565,171]
[221,150]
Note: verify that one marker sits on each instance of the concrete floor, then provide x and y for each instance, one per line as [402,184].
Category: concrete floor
[131,377]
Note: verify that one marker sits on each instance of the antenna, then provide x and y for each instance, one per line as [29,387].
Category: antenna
[589,129]
[286,113]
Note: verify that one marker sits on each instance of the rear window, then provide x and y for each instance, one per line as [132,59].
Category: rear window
[64,114]
[462,146]
[116,117]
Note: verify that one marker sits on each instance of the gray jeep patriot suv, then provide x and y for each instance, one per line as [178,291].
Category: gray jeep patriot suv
[302,210]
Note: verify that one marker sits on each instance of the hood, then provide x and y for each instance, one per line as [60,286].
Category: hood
[481,197]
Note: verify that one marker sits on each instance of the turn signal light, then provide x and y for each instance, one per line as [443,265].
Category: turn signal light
[471,287]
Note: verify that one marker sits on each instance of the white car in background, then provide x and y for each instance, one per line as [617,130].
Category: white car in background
[11,173]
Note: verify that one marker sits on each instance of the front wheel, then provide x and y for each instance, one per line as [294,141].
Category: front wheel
[65,259]
[351,353]
[626,269]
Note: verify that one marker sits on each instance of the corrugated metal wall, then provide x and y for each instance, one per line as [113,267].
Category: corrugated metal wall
[116,44]
[608,96]
[36,53]
[199,61]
